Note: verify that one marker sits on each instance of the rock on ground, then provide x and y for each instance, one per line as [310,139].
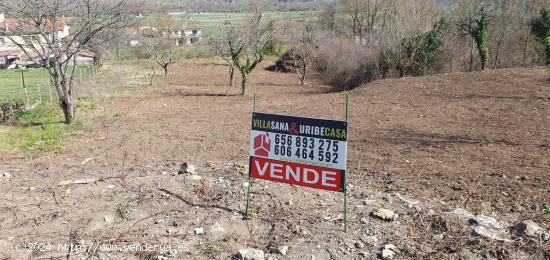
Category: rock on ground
[490,228]
[389,251]
[251,254]
[528,227]
[385,214]
[283,250]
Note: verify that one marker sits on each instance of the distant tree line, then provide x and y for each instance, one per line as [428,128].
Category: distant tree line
[363,40]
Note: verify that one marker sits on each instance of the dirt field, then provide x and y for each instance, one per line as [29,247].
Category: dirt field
[422,147]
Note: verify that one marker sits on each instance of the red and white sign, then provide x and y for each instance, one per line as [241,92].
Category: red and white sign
[300,151]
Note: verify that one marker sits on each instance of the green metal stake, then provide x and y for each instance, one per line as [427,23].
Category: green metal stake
[346,175]
[249,176]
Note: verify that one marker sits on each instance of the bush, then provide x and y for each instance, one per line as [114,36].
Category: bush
[344,64]
[417,55]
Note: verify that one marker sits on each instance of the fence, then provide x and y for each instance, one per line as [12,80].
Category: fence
[33,86]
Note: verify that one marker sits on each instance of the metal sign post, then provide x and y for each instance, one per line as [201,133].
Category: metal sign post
[346,176]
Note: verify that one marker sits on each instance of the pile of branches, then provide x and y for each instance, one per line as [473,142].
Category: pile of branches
[286,63]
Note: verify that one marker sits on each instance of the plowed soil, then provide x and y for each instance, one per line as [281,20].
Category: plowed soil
[478,141]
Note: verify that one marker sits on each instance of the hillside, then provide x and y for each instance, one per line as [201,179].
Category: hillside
[430,149]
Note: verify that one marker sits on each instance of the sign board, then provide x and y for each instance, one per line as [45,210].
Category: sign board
[301,151]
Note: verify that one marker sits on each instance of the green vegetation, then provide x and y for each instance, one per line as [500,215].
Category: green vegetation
[36,82]
[41,128]
[213,22]
[11,84]
[478,29]
[540,26]
[123,209]
[421,52]
[208,250]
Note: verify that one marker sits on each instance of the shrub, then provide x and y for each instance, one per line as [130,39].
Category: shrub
[420,53]
[344,64]
[540,26]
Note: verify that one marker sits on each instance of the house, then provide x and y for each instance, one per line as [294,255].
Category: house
[182,35]
[186,34]
[19,38]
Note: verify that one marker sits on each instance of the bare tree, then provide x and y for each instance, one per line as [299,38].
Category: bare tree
[302,49]
[41,33]
[220,44]
[328,13]
[161,44]
[368,17]
[251,46]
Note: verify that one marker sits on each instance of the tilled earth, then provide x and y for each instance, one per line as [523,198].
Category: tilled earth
[431,149]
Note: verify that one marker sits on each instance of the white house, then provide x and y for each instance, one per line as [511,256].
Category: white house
[15,32]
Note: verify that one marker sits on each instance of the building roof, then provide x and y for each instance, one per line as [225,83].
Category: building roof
[20,24]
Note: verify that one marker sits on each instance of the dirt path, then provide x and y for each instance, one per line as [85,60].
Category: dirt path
[478,141]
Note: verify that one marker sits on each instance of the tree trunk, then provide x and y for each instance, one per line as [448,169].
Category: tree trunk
[68,110]
[152,75]
[526,47]
[301,76]
[231,76]
[472,56]
[66,103]
[165,72]
[243,84]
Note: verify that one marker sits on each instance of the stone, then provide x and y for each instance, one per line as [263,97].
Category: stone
[251,254]
[109,219]
[528,227]
[194,178]
[282,250]
[187,168]
[438,237]
[217,228]
[490,228]
[493,234]
[461,213]
[371,240]
[485,221]
[389,251]
[385,214]
[358,244]
[199,231]
[364,221]
[6,175]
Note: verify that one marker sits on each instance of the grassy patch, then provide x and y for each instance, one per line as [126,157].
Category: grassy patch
[123,208]
[41,128]
[11,84]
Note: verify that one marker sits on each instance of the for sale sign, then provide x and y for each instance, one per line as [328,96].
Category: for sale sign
[302,151]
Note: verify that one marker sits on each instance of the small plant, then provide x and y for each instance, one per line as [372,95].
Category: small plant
[252,214]
[30,184]
[208,250]
[241,168]
[546,210]
[227,237]
[123,209]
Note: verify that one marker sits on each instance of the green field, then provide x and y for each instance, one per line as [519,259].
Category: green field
[36,83]
[11,84]
[212,22]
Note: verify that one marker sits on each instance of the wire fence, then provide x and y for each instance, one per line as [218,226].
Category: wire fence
[33,86]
